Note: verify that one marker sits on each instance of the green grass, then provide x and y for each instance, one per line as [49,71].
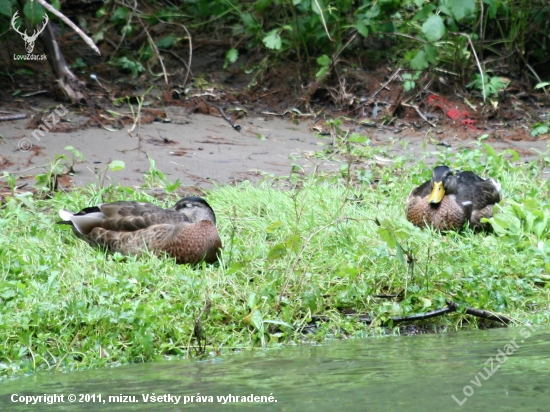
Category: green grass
[288,255]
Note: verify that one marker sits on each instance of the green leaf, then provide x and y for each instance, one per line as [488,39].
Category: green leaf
[387,236]
[541,85]
[257,320]
[252,300]
[362,28]
[357,138]
[324,60]
[232,55]
[293,243]
[34,12]
[5,8]
[424,13]
[462,8]
[492,7]
[273,40]
[262,5]
[419,62]
[277,252]
[322,71]
[166,42]
[120,15]
[433,28]
[275,225]
[116,165]
[171,187]
[279,322]
[317,6]
[431,53]
[539,128]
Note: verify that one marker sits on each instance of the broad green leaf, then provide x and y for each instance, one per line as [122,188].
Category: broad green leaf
[248,20]
[324,60]
[252,300]
[541,85]
[309,300]
[424,13]
[362,28]
[34,13]
[419,62]
[317,6]
[431,53]
[433,28]
[462,8]
[539,128]
[277,252]
[116,165]
[120,15]
[293,243]
[492,11]
[387,236]
[262,5]
[322,71]
[273,40]
[232,55]
[257,320]
[166,42]
[5,8]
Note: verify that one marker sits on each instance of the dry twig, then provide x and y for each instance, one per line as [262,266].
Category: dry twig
[69,23]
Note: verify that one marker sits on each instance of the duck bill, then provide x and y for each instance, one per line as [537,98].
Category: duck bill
[437,193]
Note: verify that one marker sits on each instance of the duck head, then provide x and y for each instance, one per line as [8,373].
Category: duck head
[196,209]
[443,182]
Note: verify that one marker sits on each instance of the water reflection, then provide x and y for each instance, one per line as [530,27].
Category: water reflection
[417,373]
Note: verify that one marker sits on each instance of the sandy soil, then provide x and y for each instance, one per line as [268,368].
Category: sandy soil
[203,151]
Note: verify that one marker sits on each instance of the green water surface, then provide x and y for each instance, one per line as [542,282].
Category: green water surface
[416,373]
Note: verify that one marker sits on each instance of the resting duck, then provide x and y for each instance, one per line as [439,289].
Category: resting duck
[186,232]
[448,201]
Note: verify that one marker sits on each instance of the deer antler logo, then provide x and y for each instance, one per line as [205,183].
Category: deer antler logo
[29,40]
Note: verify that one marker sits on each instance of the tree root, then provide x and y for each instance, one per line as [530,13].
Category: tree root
[72,87]
[451,307]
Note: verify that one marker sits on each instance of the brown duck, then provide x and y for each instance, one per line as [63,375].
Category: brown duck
[186,232]
[449,200]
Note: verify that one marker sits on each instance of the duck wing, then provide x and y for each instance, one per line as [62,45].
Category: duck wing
[122,216]
[480,192]
[478,197]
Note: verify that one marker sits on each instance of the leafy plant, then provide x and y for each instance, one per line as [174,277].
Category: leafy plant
[490,86]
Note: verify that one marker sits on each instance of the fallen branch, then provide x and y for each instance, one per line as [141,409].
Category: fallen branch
[229,119]
[13,117]
[385,84]
[69,23]
[419,113]
[451,307]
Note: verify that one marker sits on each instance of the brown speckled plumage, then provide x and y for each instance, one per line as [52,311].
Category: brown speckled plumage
[467,198]
[187,232]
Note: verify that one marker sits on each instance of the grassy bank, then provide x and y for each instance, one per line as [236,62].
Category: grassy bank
[314,250]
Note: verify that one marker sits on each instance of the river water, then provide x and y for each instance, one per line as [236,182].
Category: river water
[495,370]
